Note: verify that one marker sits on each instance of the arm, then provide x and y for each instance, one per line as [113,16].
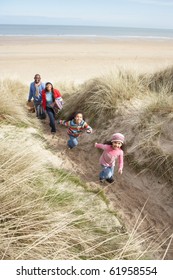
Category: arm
[56,93]
[63,122]
[120,162]
[88,128]
[30,96]
[58,98]
[100,146]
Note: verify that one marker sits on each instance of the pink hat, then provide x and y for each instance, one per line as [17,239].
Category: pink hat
[117,137]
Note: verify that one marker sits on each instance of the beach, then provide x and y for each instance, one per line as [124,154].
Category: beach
[76,59]
[141,196]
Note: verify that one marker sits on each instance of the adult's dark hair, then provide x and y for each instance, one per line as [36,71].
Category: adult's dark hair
[52,90]
[37,75]
[48,83]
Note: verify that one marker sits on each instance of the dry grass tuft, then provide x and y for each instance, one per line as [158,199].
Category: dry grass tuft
[99,98]
[161,79]
[13,99]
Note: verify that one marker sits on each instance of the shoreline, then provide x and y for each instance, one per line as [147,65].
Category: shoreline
[88,37]
[74,30]
[77,58]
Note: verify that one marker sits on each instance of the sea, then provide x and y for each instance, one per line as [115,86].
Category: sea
[84,31]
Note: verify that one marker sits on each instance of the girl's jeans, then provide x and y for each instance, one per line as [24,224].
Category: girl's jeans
[107,172]
[51,115]
[72,142]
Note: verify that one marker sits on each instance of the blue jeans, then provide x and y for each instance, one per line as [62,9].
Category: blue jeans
[107,172]
[36,103]
[72,142]
[51,115]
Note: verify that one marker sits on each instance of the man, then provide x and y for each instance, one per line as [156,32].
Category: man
[35,91]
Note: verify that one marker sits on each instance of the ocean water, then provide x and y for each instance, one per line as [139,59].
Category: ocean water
[90,31]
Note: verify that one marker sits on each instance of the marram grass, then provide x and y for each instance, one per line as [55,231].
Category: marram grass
[46,214]
[43,216]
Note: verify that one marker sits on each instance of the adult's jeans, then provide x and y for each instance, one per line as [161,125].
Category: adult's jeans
[72,142]
[36,103]
[51,116]
[107,172]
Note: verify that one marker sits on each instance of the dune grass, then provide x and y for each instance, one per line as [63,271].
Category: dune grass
[161,80]
[99,98]
[47,213]
[13,97]
[140,106]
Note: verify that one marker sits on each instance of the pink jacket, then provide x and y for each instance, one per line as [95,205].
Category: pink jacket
[110,155]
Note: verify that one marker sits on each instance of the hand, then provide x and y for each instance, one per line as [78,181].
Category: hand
[88,131]
[95,144]
[120,171]
[52,104]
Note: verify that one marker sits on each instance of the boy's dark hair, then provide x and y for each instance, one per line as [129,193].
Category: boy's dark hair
[110,143]
[73,115]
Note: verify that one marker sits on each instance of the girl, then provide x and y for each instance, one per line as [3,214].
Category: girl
[75,128]
[112,151]
[49,96]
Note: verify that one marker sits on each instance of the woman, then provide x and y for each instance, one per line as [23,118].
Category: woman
[50,97]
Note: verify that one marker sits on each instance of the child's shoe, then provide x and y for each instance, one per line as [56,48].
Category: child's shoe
[110,180]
